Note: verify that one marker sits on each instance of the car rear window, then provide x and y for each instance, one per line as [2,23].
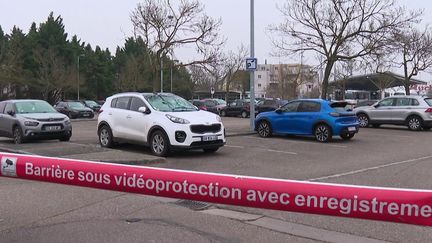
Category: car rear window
[429,101]
[340,106]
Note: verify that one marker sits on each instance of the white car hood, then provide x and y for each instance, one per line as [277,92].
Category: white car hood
[196,117]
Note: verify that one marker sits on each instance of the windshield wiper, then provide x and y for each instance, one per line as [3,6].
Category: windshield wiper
[182,108]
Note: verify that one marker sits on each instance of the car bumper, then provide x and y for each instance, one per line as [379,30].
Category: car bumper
[41,133]
[195,140]
[345,129]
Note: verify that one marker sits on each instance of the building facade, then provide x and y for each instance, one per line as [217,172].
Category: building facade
[286,81]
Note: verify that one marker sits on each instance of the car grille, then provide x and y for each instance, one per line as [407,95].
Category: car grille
[213,128]
[50,119]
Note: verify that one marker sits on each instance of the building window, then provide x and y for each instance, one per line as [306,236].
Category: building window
[259,76]
[263,68]
[276,68]
[259,85]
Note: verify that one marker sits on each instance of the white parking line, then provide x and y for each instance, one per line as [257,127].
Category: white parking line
[278,151]
[369,169]
[234,146]
[310,143]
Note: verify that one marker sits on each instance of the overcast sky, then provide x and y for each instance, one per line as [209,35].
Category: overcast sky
[107,22]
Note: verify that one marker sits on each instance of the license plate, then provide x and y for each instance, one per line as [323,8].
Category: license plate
[209,138]
[352,129]
[53,128]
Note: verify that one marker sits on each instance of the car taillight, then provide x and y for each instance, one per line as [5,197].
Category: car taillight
[429,110]
[334,114]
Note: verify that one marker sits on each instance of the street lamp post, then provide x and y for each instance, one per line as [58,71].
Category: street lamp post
[78,75]
[171,74]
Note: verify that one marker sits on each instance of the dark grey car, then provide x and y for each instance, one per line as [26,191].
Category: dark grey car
[32,119]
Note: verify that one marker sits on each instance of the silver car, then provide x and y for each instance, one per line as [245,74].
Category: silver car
[412,111]
[32,119]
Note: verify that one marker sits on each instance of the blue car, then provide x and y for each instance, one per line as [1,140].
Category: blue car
[320,118]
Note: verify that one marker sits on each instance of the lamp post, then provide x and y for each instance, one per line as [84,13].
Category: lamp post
[78,75]
[171,74]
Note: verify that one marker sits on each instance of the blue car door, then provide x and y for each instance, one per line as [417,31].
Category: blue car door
[283,121]
[307,113]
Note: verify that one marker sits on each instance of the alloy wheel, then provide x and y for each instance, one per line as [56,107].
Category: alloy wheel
[17,136]
[158,144]
[363,120]
[322,133]
[104,137]
[264,129]
[414,123]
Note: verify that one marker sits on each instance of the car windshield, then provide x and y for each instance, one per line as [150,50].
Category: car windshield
[169,103]
[220,101]
[91,103]
[33,107]
[76,105]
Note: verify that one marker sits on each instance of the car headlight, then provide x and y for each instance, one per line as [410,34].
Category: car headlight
[67,121]
[218,118]
[177,119]
[31,123]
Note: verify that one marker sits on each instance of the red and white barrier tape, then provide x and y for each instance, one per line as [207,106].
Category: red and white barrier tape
[386,204]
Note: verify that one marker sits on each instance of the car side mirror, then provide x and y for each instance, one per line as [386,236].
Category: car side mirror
[11,113]
[144,110]
[278,110]
[376,106]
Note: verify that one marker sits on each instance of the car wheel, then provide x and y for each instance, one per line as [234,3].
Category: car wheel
[414,123]
[264,129]
[65,138]
[363,120]
[17,135]
[159,144]
[347,136]
[211,150]
[322,133]
[105,137]
[244,114]
[223,113]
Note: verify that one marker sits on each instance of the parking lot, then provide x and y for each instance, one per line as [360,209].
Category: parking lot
[389,156]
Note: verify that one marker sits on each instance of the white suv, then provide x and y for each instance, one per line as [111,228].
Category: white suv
[162,121]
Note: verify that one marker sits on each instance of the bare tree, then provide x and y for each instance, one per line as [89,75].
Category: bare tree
[415,49]
[165,26]
[333,28]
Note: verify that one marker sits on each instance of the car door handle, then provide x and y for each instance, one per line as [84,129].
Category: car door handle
[128,116]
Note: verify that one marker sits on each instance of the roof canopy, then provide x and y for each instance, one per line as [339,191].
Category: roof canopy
[373,82]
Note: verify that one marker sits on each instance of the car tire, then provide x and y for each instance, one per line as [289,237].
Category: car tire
[264,129]
[210,150]
[414,123]
[65,138]
[159,144]
[322,133]
[244,114]
[18,136]
[347,136]
[106,139]
[223,113]
[363,120]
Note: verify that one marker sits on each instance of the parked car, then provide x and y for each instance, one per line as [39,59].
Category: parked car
[163,121]
[365,103]
[215,105]
[23,120]
[412,111]
[270,105]
[91,104]
[237,108]
[199,104]
[74,109]
[320,118]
